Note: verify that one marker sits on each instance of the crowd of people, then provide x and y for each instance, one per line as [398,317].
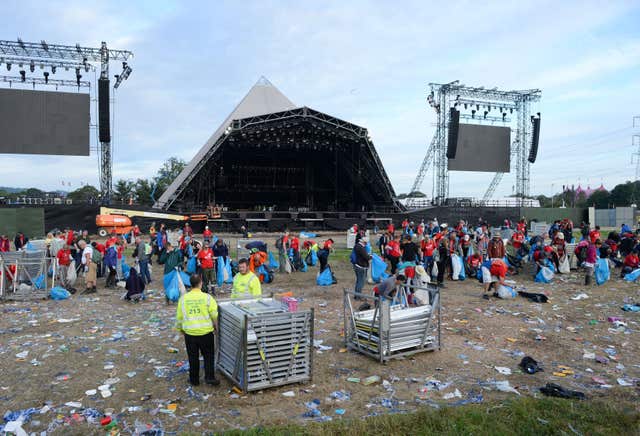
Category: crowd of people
[435,252]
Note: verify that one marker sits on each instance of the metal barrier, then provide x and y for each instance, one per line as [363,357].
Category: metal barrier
[262,344]
[393,329]
[23,275]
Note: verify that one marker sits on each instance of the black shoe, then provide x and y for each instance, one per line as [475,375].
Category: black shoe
[214,382]
[194,384]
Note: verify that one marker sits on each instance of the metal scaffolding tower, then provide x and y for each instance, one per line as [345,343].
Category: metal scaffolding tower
[470,99]
[76,57]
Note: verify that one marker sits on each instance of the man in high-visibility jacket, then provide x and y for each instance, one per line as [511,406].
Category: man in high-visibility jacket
[196,317]
[245,283]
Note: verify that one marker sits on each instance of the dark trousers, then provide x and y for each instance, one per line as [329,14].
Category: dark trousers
[144,270]
[111,278]
[208,278]
[394,263]
[323,257]
[442,266]
[197,345]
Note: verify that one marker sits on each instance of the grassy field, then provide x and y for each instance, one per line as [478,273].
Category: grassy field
[525,416]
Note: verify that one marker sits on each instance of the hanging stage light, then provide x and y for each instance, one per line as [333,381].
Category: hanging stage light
[23,75]
[504,116]
[465,105]
[485,114]
[32,67]
[473,113]
[8,66]
[53,69]
[489,108]
[46,77]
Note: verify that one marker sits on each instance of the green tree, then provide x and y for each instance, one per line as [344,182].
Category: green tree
[599,199]
[85,193]
[167,173]
[143,189]
[417,194]
[625,194]
[33,192]
[123,190]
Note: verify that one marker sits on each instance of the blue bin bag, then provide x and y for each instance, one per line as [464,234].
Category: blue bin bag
[378,268]
[172,286]
[39,282]
[59,293]
[368,248]
[307,235]
[304,266]
[463,275]
[191,265]
[262,270]
[228,270]
[324,278]
[313,255]
[545,275]
[633,275]
[273,263]
[602,271]
[125,269]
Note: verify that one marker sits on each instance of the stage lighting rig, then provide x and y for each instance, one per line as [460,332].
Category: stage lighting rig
[46,77]
[126,70]
[23,75]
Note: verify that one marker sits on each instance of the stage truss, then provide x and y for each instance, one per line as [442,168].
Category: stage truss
[53,56]
[475,105]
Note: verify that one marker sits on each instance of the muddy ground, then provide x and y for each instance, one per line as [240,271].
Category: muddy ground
[77,345]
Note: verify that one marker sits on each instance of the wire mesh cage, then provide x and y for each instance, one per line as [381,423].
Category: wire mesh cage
[393,328]
[262,344]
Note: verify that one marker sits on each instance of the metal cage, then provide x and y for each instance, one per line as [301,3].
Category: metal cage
[262,344]
[392,329]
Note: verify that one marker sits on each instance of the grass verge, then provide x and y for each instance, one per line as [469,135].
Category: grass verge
[522,416]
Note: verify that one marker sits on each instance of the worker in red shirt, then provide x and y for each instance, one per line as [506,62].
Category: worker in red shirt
[5,244]
[207,234]
[328,244]
[64,261]
[394,253]
[205,259]
[69,237]
[517,239]
[427,246]
[100,247]
[594,234]
[391,228]
[112,240]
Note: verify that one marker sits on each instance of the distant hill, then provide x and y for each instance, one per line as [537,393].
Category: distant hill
[11,190]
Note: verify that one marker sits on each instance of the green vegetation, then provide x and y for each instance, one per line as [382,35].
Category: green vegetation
[525,416]
[624,194]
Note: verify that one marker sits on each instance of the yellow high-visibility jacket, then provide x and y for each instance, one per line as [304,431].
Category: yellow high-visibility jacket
[196,313]
[246,285]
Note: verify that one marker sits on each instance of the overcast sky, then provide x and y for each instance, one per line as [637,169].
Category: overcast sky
[365,62]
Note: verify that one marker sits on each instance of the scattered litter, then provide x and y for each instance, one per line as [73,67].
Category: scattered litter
[451,395]
[554,390]
[503,370]
[340,396]
[529,365]
[504,386]
[580,296]
[289,394]
[371,380]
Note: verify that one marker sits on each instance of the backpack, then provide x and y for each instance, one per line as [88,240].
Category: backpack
[279,243]
[353,258]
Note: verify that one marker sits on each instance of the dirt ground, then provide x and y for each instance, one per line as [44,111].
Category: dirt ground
[77,345]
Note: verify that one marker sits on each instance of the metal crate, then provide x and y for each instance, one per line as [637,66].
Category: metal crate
[262,344]
[23,268]
[392,329]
